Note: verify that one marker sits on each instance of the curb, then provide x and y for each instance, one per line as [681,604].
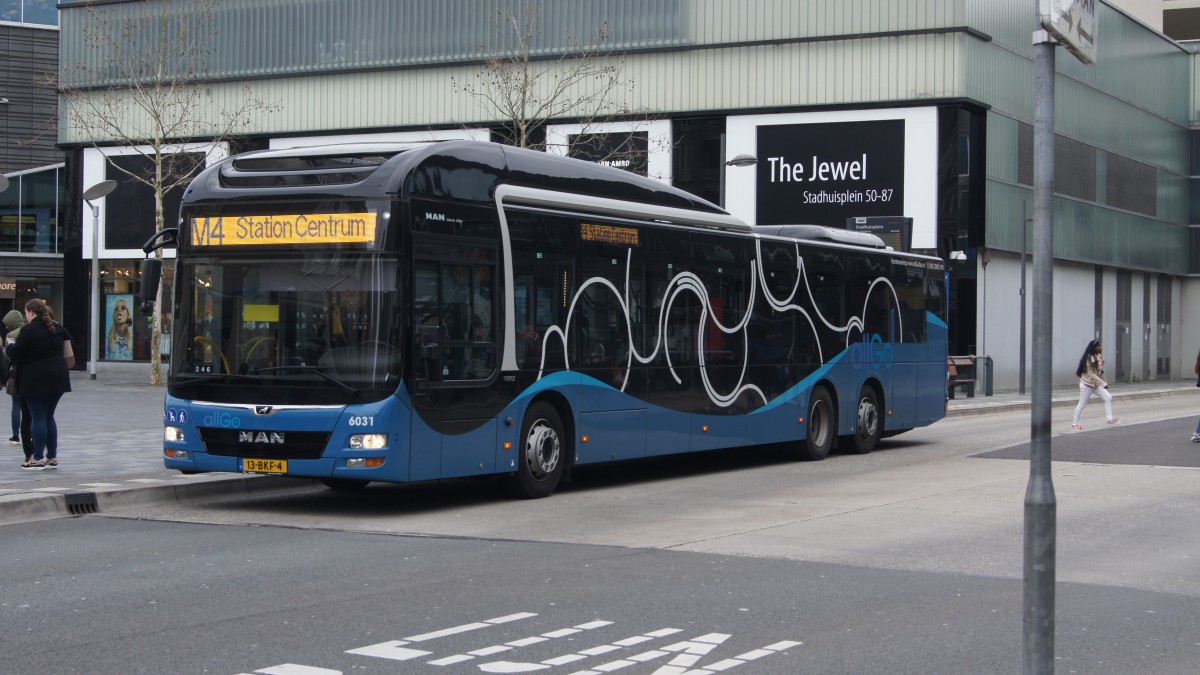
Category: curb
[1059,402]
[25,507]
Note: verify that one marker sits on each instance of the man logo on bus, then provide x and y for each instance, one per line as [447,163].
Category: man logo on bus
[261,437]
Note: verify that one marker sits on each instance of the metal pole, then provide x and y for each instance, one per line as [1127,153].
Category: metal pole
[724,168]
[95,317]
[1040,504]
[1021,355]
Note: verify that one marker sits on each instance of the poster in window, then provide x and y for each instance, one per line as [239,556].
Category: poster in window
[118,334]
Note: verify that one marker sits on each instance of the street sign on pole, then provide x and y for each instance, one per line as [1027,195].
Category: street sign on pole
[1073,23]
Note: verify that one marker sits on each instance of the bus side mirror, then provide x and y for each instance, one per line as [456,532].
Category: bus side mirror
[151,277]
[431,352]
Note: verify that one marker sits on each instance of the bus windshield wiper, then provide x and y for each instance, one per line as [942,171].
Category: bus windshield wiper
[215,377]
[345,386]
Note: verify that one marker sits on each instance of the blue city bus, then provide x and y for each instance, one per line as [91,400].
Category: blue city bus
[414,312]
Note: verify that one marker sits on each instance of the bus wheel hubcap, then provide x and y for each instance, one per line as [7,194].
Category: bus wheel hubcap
[868,418]
[541,449]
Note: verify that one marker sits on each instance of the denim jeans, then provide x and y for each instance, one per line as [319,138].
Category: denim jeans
[43,429]
[16,416]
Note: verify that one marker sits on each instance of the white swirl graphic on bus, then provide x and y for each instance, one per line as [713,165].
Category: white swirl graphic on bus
[687,282]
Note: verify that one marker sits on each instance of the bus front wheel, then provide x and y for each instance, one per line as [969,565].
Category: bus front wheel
[820,425]
[542,452]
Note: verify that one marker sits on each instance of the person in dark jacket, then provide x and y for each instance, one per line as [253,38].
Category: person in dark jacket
[42,379]
[13,322]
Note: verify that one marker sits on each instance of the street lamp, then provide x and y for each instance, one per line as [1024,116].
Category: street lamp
[95,193]
[738,160]
[742,160]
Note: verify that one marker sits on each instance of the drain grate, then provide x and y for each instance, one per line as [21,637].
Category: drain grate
[81,503]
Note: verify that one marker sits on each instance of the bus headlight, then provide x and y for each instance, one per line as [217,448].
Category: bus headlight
[368,441]
[173,435]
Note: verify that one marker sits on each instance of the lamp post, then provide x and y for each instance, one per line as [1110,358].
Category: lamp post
[95,193]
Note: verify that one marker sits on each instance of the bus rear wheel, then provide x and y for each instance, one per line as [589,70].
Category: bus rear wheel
[820,425]
[542,452]
[868,426]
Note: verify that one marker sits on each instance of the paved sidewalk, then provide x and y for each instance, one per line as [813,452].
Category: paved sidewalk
[110,441]
[110,455]
[1062,397]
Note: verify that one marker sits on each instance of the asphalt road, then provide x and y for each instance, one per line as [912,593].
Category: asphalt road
[103,595]
[907,560]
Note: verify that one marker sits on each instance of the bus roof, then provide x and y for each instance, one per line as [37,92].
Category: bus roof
[457,170]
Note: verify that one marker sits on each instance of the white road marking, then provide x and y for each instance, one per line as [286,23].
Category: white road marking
[523,642]
[296,669]
[742,659]
[488,651]
[469,627]
[518,667]
[510,667]
[392,649]
[692,650]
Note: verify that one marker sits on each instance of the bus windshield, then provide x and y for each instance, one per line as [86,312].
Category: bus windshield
[300,329]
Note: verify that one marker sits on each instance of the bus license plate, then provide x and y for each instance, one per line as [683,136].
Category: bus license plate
[264,466]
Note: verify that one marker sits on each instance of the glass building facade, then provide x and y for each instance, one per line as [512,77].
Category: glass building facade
[29,12]
[31,238]
[29,211]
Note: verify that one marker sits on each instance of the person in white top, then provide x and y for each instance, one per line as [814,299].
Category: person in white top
[1091,381]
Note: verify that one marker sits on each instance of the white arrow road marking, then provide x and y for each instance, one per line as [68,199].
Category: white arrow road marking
[392,649]
[741,659]
[396,650]
[518,667]
[692,650]
[523,642]
[296,669]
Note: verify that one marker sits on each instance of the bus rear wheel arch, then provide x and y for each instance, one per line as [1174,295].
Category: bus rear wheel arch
[543,451]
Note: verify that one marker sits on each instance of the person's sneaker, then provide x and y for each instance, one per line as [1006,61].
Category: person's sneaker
[1196,438]
[1076,427]
[34,465]
[52,464]
[1113,421]
[15,440]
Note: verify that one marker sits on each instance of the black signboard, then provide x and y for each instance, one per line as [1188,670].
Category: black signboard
[825,173]
[628,150]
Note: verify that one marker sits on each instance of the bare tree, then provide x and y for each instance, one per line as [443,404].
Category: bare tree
[525,83]
[142,82]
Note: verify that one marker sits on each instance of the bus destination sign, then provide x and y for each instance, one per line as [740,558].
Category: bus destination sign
[306,228]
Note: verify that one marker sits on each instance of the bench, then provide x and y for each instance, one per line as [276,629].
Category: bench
[960,372]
